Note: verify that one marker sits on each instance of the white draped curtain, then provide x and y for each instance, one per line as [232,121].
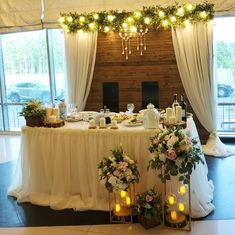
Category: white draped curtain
[193,50]
[80,54]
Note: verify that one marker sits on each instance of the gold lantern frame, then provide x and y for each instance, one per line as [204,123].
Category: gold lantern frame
[178,224]
[120,208]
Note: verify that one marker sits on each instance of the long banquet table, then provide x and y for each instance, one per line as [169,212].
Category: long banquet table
[57,167]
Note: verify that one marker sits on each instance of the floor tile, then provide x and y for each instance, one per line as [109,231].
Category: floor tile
[214,227]
[40,231]
[133,229]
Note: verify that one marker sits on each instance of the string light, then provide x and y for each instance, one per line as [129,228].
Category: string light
[111,18]
[82,19]
[70,19]
[137,14]
[133,29]
[106,29]
[173,19]
[96,16]
[189,7]
[203,14]
[130,19]
[61,20]
[147,20]
[92,25]
[165,23]
[161,14]
[186,22]
[124,25]
[180,11]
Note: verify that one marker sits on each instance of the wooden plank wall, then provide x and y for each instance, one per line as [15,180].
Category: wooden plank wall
[158,63]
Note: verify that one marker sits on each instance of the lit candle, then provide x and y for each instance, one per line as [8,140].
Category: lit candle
[181,207]
[168,114]
[171,200]
[123,193]
[173,215]
[117,207]
[182,190]
[128,201]
[178,113]
[52,119]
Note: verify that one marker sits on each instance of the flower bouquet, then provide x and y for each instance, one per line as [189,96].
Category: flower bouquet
[175,152]
[149,209]
[118,171]
[34,113]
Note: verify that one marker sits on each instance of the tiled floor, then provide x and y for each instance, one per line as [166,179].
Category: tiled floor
[221,227]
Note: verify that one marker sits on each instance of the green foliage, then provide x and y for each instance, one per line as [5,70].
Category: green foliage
[174,152]
[33,108]
[148,205]
[93,21]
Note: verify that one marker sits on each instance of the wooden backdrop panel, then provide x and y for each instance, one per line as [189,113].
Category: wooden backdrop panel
[158,63]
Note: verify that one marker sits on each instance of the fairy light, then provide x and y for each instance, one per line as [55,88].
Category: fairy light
[182,190]
[133,29]
[161,14]
[61,20]
[91,25]
[173,19]
[180,11]
[186,22]
[110,18]
[147,20]
[130,19]
[165,23]
[171,200]
[189,7]
[70,19]
[203,14]
[117,207]
[181,207]
[128,201]
[96,16]
[106,29]
[124,25]
[82,19]
[137,14]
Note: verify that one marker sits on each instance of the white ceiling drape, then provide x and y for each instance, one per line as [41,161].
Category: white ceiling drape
[54,7]
[18,15]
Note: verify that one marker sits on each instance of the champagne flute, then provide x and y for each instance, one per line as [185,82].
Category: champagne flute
[130,108]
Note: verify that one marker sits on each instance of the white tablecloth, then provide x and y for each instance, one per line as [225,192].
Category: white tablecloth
[57,167]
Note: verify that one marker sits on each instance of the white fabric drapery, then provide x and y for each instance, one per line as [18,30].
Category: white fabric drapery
[20,15]
[193,50]
[80,54]
[57,167]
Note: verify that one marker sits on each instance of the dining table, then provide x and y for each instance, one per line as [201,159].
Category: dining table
[57,167]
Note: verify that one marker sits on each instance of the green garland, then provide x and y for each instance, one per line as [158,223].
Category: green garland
[150,17]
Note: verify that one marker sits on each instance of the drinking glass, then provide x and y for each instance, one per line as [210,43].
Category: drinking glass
[130,108]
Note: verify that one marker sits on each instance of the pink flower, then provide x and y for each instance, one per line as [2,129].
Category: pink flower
[156,141]
[171,154]
[148,198]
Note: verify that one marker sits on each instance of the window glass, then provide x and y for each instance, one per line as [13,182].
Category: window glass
[26,66]
[1,121]
[224,72]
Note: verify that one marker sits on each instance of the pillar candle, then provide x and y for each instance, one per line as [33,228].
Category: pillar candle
[178,113]
[172,119]
[173,215]
[56,113]
[92,123]
[102,122]
[168,114]
[114,123]
[48,113]
[52,119]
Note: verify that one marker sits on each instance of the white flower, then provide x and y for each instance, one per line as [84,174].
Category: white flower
[112,180]
[116,173]
[128,172]
[103,181]
[162,157]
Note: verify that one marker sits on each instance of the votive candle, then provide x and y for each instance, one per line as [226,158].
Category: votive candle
[182,190]
[117,207]
[181,207]
[123,194]
[128,201]
[174,215]
[171,200]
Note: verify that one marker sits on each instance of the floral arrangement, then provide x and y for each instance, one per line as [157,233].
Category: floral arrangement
[148,205]
[33,108]
[118,171]
[174,151]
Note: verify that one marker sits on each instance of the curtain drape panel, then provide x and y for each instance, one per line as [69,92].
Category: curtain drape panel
[193,51]
[20,15]
[80,54]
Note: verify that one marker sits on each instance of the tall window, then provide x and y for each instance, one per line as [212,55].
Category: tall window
[224,72]
[31,68]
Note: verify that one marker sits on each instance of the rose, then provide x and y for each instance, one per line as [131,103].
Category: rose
[156,141]
[122,166]
[148,198]
[171,154]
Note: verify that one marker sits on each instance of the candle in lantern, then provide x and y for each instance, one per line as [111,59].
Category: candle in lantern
[128,201]
[171,199]
[181,207]
[182,190]
[123,193]
[117,207]
[174,215]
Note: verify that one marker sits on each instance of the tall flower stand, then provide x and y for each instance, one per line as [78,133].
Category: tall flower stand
[121,204]
[177,206]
